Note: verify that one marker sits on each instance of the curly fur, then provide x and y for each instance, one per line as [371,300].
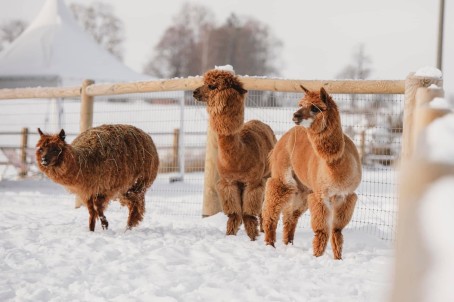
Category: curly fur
[102,163]
[317,167]
[243,150]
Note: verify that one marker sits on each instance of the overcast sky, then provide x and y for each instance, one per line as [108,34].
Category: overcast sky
[318,37]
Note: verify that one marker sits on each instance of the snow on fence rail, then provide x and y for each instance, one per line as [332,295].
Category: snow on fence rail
[372,114]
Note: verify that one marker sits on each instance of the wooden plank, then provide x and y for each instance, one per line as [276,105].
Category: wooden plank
[39,93]
[255,83]
[191,83]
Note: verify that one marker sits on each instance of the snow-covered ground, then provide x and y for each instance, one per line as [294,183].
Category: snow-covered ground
[48,254]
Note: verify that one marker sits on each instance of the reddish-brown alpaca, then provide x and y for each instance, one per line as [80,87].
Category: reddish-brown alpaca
[103,163]
[317,166]
[243,150]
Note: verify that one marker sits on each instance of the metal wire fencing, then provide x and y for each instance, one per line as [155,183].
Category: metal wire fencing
[178,127]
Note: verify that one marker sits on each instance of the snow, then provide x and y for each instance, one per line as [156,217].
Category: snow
[435,215]
[438,140]
[49,255]
[228,68]
[429,72]
[440,103]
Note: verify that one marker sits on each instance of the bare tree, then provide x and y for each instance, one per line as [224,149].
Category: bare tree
[194,44]
[358,69]
[9,31]
[246,44]
[100,21]
[184,47]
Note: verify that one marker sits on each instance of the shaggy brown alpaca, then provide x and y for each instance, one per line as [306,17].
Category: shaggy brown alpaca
[243,150]
[317,166]
[102,163]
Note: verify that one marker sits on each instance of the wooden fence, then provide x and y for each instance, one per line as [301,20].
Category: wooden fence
[413,262]
[89,90]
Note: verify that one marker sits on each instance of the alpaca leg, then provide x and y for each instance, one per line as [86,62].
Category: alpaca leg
[135,200]
[136,211]
[277,194]
[100,205]
[342,215]
[291,213]
[92,214]
[261,223]
[261,206]
[252,206]
[231,204]
[320,214]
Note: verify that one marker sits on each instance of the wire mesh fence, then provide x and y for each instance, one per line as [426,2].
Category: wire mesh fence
[178,127]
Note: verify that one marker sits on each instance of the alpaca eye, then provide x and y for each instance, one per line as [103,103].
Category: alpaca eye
[314,109]
[211,87]
[40,150]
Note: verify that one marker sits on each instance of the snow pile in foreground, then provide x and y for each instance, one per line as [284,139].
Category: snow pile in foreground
[48,254]
[435,215]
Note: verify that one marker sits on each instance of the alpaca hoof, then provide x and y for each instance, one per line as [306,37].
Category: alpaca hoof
[318,254]
[104,223]
[271,243]
[289,241]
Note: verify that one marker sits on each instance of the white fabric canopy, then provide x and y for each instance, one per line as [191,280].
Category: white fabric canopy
[55,48]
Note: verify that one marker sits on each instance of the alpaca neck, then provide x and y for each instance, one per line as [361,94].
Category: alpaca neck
[329,143]
[227,117]
[64,173]
[230,147]
[227,125]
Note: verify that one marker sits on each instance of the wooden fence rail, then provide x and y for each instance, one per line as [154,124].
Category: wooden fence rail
[250,83]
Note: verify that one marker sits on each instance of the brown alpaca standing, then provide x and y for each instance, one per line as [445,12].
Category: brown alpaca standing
[243,150]
[102,163]
[313,165]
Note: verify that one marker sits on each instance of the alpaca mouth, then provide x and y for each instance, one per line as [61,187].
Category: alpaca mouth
[44,162]
[306,123]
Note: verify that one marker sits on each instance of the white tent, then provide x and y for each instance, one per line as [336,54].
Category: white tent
[55,51]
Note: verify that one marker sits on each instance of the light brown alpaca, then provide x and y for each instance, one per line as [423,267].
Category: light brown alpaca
[102,163]
[243,150]
[317,166]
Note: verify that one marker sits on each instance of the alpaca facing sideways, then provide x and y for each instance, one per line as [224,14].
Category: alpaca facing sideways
[102,163]
[314,165]
[243,150]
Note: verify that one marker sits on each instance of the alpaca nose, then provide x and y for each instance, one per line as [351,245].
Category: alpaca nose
[297,117]
[44,161]
[196,94]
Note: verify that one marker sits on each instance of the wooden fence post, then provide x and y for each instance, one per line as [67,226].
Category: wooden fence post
[86,107]
[412,83]
[176,148]
[412,258]
[211,201]
[86,116]
[362,145]
[23,155]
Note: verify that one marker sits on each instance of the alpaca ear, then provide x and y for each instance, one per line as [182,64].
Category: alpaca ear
[240,89]
[40,132]
[324,96]
[304,88]
[62,135]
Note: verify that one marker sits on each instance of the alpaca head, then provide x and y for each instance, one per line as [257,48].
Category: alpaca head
[223,94]
[49,149]
[314,110]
